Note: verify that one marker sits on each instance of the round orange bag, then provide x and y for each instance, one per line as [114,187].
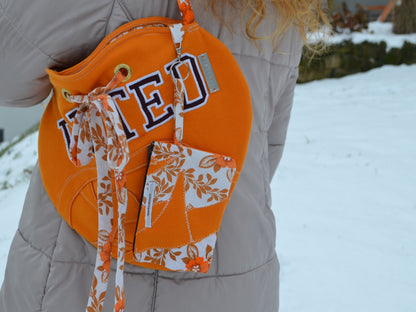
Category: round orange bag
[144,57]
[219,121]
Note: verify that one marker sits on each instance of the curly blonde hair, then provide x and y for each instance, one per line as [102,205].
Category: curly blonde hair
[307,15]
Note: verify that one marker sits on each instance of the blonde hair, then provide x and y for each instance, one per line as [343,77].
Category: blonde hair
[308,16]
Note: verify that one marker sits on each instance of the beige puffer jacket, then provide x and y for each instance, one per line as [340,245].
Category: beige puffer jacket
[50,266]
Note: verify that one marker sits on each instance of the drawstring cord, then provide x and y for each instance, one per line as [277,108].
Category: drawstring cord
[97,130]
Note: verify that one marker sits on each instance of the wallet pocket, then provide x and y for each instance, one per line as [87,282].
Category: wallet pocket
[185,194]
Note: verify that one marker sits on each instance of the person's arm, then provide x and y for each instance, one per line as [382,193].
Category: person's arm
[278,128]
[35,35]
[23,80]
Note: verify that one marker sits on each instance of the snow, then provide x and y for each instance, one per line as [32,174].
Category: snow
[16,166]
[375,33]
[11,204]
[17,163]
[343,195]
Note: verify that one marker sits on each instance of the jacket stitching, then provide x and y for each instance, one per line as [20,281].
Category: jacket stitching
[288,82]
[155,284]
[266,173]
[32,246]
[93,265]
[108,18]
[125,10]
[173,278]
[268,94]
[46,255]
[50,266]
[224,275]
[24,38]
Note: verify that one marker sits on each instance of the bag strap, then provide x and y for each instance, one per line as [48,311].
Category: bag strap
[178,82]
[186,11]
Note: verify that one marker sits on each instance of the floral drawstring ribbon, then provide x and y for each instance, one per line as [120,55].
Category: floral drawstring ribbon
[97,130]
[177,33]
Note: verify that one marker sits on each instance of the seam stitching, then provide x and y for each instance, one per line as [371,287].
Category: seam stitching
[172,278]
[125,10]
[224,275]
[32,246]
[25,39]
[155,284]
[108,17]
[268,94]
[50,266]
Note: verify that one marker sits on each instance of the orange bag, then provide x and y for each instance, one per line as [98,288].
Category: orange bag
[153,65]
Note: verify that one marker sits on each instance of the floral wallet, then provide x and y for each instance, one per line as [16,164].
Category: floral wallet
[185,194]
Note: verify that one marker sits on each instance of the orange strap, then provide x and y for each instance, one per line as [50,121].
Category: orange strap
[186,11]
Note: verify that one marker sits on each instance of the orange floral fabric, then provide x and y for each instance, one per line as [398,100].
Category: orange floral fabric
[198,265]
[97,132]
[186,11]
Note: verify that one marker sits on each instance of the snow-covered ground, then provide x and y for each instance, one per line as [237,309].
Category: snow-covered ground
[376,32]
[343,196]
[16,166]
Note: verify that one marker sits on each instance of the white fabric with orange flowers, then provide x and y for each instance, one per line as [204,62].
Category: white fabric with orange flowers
[207,179]
[97,130]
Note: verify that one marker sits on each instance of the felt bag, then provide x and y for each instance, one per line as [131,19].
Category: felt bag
[111,107]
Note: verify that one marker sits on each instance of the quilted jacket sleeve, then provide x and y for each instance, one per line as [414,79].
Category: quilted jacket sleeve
[278,128]
[35,35]
[23,81]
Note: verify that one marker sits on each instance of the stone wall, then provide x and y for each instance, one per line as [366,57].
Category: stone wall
[348,58]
